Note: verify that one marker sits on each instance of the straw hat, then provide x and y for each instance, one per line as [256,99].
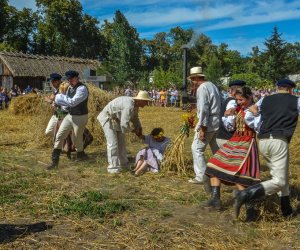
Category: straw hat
[195,71]
[142,95]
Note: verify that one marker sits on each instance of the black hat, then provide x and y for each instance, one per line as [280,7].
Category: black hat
[286,83]
[237,83]
[71,73]
[55,77]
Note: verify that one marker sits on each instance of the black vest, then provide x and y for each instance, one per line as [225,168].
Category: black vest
[81,108]
[223,133]
[279,116]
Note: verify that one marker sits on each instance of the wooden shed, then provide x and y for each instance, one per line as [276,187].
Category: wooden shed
[26,69]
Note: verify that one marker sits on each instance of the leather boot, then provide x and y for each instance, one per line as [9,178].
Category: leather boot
[81,156]
[247,195]
[55,159]
[215,201]
[251,212]
[286,207]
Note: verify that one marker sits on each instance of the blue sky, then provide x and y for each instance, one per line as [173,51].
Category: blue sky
[241,24]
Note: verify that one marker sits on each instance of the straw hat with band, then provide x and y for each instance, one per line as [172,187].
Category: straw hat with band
[196,71]
[143,96]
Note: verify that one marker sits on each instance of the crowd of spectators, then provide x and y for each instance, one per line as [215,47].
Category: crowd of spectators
[7,95]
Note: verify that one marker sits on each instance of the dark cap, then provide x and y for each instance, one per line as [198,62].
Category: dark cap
[55,77]
[71,73]
[237,83]
[285,83]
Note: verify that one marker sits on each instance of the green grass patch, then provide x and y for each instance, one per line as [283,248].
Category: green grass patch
[92,204]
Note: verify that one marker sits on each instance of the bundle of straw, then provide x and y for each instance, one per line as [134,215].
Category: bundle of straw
[174,156]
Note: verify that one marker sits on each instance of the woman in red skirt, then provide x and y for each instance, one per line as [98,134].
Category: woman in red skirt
[236,163]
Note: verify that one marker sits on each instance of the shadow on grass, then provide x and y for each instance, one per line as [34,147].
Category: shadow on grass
[10,232]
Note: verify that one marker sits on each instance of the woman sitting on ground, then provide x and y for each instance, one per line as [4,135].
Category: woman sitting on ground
[236,163]
[149,158]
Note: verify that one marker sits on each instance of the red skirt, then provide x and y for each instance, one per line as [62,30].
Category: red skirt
[237,162]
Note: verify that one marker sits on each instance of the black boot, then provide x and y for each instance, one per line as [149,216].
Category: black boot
[214,201]
[251,213]
[286,207]
[55,159]
[81,156]
[249,194]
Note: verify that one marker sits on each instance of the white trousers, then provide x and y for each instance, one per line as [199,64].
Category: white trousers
[276,153]
[76,123]
[198,148]
[51,126]
[116,148]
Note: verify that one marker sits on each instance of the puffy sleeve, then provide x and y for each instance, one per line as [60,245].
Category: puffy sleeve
[253,121]
[229,122]
[80,95]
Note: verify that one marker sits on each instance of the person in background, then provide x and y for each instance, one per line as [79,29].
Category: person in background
[208,113]
[28,89]
[14,91]
[275,118]
[4,98]
[115,120]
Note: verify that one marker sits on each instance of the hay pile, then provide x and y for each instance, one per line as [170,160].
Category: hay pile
[40,112]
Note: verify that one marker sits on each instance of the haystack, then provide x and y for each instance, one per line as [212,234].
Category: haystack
[40,112]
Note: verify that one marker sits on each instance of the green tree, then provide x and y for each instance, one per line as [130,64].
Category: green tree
[3,17]
[125,53]
[253,80]
[214,71]
[275,57]
[66,31]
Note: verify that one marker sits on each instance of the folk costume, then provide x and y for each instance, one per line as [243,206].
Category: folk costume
[208,112]
[275,123]
[237,161]
[76,101]
[153,153]
[223,134]
[115,120]
[57,110]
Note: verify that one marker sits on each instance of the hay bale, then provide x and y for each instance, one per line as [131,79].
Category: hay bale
[27,104]
[40,113]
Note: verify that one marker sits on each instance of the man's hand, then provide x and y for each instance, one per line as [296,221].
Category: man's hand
[138,132]
[48,99]
[202,134]
[229,112]
[253,109]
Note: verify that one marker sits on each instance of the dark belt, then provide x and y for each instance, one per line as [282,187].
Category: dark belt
[270,136]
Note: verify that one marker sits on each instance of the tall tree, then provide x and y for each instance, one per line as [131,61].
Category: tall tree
[125,53]
[64,30]
[275,57]
[214,71]
[3,17]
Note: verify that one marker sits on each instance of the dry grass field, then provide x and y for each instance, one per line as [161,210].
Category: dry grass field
[80,206]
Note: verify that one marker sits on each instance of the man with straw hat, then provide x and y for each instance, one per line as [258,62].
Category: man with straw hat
[76,101]
[208,112]
[115,120]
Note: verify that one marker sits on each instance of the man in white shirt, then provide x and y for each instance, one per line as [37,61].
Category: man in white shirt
[76,101]
[208,113]
[275,118]
[115,120]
